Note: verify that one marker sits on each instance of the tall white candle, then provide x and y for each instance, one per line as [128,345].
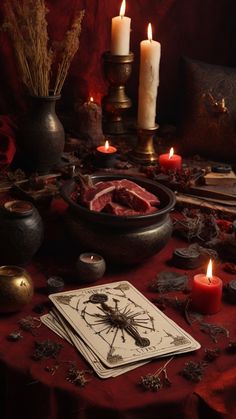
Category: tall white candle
[150,54]
[120,33]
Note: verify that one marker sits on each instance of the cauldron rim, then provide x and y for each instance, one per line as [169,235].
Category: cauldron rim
[118,220]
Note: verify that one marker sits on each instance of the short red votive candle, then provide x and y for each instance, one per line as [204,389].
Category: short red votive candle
[107,148]
[206,292]
[170,161]
[106,155]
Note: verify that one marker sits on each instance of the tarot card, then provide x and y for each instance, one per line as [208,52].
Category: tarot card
[120,325]
[50,321]
[54,322]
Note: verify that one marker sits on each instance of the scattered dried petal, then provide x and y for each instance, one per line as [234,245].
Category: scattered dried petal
[231,347]
[77,377]
[212,354]
[46,349]
[193,371]
[52,370]
[29,323]
[15,336]
[169,281]
[214,330]
[151,382]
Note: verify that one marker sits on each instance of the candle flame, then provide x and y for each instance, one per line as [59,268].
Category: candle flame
[91,257]
[171,153]
[122,8]
[91,99]
[107,145]
[149,32]
[209,271]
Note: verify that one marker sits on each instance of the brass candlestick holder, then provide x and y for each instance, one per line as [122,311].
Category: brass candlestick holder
[144,152]
[117,70]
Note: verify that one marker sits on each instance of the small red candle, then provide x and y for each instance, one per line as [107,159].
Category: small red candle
[207,292]
[106,155]
[170,161]
[106,148]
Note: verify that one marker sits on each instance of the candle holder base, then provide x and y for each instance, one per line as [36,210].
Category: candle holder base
[117,70]
[105,161]
[114,126]
[144,152]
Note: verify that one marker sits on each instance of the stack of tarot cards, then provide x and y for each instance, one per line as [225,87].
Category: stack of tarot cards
[115,327]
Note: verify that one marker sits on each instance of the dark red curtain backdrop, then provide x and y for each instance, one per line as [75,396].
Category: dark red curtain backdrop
[201,29]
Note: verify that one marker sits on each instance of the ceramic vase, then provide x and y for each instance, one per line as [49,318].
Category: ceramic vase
[41,135]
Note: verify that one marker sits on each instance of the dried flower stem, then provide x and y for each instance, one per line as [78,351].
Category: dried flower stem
[26,24]
[158,372]
[154,382]
[71,45]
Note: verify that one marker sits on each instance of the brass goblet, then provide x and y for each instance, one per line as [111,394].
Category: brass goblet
[144,152]
[117,70]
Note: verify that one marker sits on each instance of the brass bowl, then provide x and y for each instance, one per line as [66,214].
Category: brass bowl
[120,239]
[16,288]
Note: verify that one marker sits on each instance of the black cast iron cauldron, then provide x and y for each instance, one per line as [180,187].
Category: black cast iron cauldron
[121,240]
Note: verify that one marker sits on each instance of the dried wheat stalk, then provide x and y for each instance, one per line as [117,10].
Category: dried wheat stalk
[70,47]
[26,23]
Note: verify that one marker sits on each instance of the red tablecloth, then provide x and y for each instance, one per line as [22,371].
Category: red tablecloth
[27,390]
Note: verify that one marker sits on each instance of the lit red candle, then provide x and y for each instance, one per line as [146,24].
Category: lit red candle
[207,292]
[106,148]
[106,154]
[170,161]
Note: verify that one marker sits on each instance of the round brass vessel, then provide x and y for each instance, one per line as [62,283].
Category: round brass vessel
[16,288]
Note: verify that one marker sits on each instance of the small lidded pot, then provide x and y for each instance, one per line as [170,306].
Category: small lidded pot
[16,288]
[90,267]
[21,232]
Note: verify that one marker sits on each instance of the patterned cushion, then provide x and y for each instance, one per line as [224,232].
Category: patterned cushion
[208,117]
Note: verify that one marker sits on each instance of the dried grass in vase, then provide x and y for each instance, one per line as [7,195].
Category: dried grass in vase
[26,23]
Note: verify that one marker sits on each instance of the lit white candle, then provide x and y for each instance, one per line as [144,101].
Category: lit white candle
[150,54]
[120,33]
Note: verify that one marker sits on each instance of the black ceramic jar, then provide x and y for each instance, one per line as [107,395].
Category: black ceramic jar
[21,232]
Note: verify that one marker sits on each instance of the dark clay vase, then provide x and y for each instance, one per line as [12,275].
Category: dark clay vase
[42,137]
[21,232]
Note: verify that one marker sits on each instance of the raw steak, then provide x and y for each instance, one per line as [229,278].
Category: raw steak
[124,192]
[97,196]
[129,185]
[117,209]
[130,198]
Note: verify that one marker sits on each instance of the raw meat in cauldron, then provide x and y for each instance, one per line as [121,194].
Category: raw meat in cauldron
[132,186]
[97,196]
[117,209]
[124,192]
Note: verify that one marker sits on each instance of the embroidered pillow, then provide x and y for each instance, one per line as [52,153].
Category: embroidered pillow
[208,112]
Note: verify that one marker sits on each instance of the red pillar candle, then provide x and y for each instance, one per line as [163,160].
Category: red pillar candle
[170,161]
[206,292]
[106,155]
[89,121]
